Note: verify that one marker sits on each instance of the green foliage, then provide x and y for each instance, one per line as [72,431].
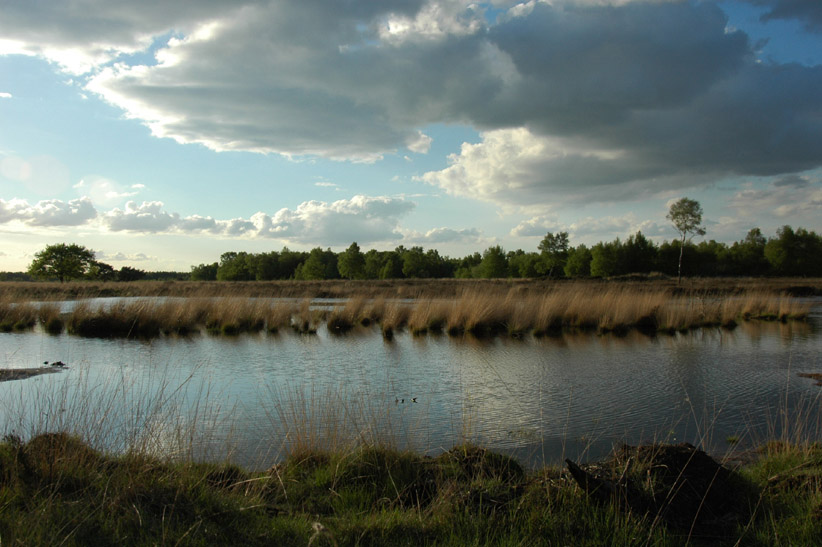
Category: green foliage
[795,252]
[101,271]
[55,489]
[686,215]
[494,263]
[204,272]
[605,259]
[554,249]
[579,262]
[62,261]
[319,265]
[127,273]
[351,263]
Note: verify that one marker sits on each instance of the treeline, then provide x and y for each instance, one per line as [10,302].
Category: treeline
[789,253]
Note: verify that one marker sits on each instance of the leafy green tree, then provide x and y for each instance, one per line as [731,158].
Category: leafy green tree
[605,259]
[554,250]
[101,271]
[795,252]
[494,263]
[235,267]
[127,273]
[637,255]
[204,272]
[686,215]
[522,264]
[62,261]
[351,263]
[747,256]
[578,263]
[414,263]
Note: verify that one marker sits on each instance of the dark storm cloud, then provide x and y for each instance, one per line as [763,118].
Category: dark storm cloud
[575,101]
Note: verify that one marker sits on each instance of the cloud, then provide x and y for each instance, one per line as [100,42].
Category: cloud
[362,218]
[147,217]
[421,144]
[624,99]
[809,12]
[4,95]
[537,226]
[48,213]
[122,257]
[443,235]
[797,202]
[104,191]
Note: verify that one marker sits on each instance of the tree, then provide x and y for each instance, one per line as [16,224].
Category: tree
[494,263]
[127,273]
[62,261]
[351,263]
[554,249]
[579,262]
[795,252]
[686,214]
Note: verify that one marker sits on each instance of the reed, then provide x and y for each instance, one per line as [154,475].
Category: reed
[343,318]
[17,316]
[394,318]
[307,320]
[396,288]
[428,315]
[602,307]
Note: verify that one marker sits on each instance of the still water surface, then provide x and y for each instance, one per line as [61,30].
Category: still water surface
[538,399]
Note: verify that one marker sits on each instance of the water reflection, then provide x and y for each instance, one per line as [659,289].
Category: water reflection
[572,395]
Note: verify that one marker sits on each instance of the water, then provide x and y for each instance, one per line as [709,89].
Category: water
[541,400]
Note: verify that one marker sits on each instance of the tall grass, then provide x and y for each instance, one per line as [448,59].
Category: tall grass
[600,307]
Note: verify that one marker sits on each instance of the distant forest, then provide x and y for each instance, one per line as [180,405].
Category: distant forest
[788,253]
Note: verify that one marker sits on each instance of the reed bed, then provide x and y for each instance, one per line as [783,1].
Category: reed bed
[494,310]
[395,288]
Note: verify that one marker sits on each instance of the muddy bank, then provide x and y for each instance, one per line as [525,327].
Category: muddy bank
[8,374]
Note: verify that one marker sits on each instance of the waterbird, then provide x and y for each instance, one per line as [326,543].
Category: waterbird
[414,400]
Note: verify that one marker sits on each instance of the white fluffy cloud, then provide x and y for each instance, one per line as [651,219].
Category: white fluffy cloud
[442,235]
[48,212]
[365,219]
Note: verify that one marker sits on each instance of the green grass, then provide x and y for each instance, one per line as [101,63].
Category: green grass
[55,489]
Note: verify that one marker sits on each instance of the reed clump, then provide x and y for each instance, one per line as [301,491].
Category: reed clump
[307,319]
[394,318]
[17,316]
[429,315]
[344,318]
[603,308]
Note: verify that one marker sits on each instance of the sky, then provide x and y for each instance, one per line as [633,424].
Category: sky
[162,134]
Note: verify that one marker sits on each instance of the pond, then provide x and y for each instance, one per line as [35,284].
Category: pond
[251,398]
